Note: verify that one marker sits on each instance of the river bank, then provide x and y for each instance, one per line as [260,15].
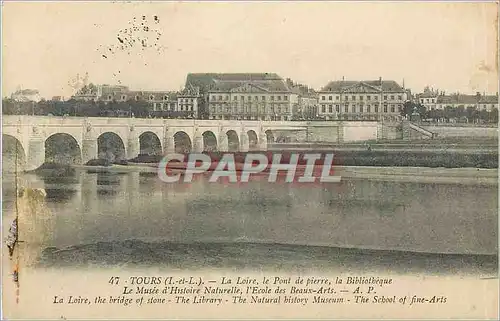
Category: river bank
[457,175]
[396,174]
[364,156]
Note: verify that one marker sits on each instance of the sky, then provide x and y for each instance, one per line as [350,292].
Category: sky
[447,46]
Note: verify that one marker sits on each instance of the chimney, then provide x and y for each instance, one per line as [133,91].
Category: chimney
[343,78]
[380,80]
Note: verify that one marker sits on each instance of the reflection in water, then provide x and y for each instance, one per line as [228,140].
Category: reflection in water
[106,207]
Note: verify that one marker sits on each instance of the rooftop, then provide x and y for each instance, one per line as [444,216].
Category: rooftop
[467,99]
[378,85]
[224,82]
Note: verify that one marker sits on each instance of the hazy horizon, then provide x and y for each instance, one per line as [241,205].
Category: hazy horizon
[447,46]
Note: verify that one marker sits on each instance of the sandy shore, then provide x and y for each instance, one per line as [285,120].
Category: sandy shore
[400,174]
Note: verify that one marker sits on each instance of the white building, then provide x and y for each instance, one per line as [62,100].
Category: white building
[26,95]
[362,100]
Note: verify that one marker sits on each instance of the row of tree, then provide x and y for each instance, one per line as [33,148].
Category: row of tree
[139,109]
[458,114]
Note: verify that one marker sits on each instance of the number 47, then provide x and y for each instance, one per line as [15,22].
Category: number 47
[114,280]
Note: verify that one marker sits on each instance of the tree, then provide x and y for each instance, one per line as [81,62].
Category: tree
[422,111]
[494,115]
[407,109]
[9,107]
[471,114]
[410,107]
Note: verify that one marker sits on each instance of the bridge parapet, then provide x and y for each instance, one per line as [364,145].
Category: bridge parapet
[197,135]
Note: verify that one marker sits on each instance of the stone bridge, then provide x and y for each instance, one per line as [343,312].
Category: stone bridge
[90,137]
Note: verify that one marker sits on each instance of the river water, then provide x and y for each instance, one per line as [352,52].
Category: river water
[134,218]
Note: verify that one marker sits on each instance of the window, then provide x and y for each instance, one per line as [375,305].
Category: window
[368,109]
[385,97]
[385,108]
[336,97]
[361,98]
[272,97]
[323,108]
[392,97]
[376,109]
[337,108]
[368,97]
[256,98]
[346,98]
[393,109]
[360,108]
[165,97]
[346,108]
[235,97]
[353,97]
[323,97]
[330,108]
[220,97]
[285,97]
[400,97]
[263,98]
[124,97]
[213,98]
[279,97]
[353,108]
[242,98]
[329,97]
[376,97]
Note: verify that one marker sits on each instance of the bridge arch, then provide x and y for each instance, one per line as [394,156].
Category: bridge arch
[253,140]
[110,146]
[62,148]
[149,143]
[209,141]
[182,142]
[270,136]
[13,154]
[233,142]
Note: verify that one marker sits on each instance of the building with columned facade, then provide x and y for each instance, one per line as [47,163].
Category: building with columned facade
[245,96]
[362,100]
